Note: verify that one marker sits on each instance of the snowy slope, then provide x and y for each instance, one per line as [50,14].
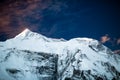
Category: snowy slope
[32,56]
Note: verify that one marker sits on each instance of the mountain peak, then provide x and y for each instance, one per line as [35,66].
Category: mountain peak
[23,33]
[25,30]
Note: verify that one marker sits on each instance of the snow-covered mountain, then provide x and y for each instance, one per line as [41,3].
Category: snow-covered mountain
[32,56]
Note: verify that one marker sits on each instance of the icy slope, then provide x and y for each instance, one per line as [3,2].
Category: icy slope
[32,56]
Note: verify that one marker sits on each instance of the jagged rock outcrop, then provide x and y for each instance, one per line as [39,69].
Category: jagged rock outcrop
[32,56]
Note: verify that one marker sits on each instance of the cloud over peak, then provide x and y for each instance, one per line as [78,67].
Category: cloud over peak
[105,38]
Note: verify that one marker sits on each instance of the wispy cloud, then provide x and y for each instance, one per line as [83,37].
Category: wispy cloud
[118,41]
[114,43]
[26,14]
[105,38]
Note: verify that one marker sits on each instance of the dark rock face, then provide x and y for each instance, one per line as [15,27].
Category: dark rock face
[43,65]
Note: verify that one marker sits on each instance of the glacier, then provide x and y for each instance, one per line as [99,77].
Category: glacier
[32,56]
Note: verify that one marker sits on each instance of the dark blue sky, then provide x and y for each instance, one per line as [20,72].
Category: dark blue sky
[84,18]
[62,18]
